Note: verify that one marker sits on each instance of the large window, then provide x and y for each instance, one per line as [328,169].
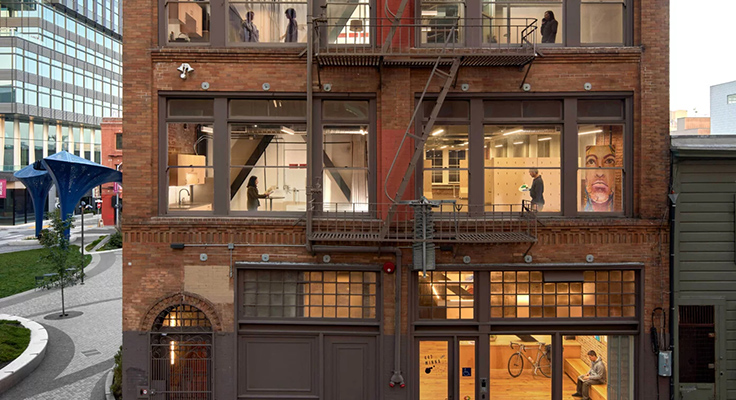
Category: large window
[188,21]
[308,294]
[250,156]
[267,22]
[521,145]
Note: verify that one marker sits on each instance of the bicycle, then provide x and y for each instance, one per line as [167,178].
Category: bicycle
[543,362]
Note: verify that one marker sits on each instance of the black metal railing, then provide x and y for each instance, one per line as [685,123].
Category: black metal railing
[370,35]
[448,221]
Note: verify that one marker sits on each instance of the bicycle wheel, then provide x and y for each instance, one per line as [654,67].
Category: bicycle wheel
[545,365]
[516,365]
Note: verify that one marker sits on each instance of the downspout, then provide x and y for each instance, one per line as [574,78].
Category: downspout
[673,203]
[396,377]
[310,136]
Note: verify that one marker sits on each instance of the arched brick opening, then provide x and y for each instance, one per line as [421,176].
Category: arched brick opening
[181,298]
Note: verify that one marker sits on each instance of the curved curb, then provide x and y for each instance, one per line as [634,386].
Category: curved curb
[27,362]
[108,383]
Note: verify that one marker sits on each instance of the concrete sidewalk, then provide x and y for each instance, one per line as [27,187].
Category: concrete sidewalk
[81,348]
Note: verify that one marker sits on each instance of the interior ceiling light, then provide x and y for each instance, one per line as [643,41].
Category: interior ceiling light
[443,147]
[429,13]
[499,145]
[287,130]
[512,132]
[518,142]
[465,144]
[589,132]
[544,138]
[437,132]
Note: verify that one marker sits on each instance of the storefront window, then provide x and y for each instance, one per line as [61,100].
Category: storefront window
[523,361]
[582,294]
[446,295]
[308,294]
[608,359]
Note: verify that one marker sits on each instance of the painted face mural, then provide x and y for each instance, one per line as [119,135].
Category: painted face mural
[599,182]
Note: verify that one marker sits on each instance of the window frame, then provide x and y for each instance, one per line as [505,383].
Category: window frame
[241,323]
[221,121]
[569,121]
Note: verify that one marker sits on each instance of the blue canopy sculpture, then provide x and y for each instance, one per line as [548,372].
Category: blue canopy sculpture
[38,183]
[74,176]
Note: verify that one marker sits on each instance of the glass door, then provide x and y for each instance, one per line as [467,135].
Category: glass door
[447,369]
[434,369]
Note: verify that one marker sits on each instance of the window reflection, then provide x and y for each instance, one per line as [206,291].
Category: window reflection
[602,22]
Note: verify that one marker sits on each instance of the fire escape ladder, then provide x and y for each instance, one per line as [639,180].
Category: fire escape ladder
[394,25]
[419,140]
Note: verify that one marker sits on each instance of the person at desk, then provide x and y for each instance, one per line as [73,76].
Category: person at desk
[596,376]
[253,195]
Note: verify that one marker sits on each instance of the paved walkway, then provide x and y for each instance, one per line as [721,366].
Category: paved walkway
[81,349]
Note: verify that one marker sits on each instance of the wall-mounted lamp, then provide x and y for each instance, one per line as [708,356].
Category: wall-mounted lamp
[185,69]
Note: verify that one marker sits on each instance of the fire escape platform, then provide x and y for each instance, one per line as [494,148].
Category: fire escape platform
[487,238]
[470,58]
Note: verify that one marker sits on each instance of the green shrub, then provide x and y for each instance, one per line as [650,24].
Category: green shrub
[117,375]
[92,245]
[115,242]
[14,339]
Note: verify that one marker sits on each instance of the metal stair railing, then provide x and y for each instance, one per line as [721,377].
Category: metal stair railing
[420,140]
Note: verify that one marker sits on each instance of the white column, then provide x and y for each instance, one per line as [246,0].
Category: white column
[16,143]
[59,137]
[70,131]
[31,143]
[45,139]
[80,139]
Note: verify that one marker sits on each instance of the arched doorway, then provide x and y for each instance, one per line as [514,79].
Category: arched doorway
[181,354]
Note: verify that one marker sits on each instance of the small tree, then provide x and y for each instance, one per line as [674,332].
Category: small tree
[60,255]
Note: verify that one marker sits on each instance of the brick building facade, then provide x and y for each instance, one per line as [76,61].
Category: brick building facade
[112,156]
[300,296]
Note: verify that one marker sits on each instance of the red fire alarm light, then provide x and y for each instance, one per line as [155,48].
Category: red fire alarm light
[389,267]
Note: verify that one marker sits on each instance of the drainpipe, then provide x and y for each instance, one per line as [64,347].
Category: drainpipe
[310,107]
[396,378]
[673,203]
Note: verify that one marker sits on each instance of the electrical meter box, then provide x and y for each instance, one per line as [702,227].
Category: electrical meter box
[665,363]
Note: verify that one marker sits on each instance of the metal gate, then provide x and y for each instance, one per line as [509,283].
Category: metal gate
[181,355]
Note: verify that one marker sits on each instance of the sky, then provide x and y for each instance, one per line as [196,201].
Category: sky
[702,51]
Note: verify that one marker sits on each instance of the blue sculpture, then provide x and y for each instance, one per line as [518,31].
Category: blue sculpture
[38,183]
[74,176]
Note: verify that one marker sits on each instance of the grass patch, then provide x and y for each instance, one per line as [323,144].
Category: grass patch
[92,245]
[18,270]
[115,242]
[14,338]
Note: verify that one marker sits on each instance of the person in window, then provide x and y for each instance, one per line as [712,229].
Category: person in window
[599,194]
[253,195]
[292,29]
[596,376]
[537,189]
[250,30]
[549,27]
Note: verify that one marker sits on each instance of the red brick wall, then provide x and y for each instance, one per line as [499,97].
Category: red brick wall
[110,157]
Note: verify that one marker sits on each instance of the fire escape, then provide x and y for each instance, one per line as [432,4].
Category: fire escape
[444,45]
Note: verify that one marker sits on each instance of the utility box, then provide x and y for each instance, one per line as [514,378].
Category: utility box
[665,363]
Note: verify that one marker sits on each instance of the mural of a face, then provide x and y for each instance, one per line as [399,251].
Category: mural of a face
[599,182]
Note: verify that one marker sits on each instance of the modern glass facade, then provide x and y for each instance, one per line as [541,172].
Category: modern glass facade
[60,74]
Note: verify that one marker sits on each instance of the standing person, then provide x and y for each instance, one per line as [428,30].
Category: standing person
[292,29]
[549,27]
[253,196]
[596,376]
[537,190]
[250,30]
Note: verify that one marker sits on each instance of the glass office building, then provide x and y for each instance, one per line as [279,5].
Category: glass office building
[60,74]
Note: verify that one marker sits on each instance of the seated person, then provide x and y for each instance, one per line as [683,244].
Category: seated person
[596,376]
